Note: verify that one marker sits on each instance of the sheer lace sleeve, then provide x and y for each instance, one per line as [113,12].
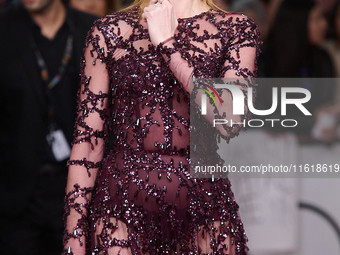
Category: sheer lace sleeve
[240,41]
[89,139]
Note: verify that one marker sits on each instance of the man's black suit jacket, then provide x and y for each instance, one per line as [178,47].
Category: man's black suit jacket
[23,105]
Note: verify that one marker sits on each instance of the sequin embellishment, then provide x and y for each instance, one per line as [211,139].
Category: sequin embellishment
[139,198]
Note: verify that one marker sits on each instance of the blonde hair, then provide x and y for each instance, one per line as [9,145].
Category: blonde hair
[144,3]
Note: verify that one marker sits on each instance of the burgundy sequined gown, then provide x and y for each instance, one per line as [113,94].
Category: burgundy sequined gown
[140,198]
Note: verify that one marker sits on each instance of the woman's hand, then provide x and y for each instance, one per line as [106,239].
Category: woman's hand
[160,19]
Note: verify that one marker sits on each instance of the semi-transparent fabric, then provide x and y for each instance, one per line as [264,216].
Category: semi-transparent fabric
[140,198]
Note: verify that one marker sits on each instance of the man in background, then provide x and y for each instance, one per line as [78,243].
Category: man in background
[41,45]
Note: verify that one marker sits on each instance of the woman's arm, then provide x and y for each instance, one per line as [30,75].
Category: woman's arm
[89,140]
[239,52]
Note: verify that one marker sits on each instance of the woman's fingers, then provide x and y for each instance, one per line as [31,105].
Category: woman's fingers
[161,20]
[167,4]
[152,10]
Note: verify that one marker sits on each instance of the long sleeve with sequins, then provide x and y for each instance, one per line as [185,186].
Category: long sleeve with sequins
[239,46]
[89,139]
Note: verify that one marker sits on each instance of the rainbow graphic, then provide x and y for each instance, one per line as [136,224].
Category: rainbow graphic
[211,95]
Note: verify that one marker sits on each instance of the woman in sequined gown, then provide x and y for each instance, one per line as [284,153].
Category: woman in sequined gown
[135,78]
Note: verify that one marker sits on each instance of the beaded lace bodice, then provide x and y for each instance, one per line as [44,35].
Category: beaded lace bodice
[143,93]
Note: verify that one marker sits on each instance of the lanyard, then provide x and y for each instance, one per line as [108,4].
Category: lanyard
[61,71]
[62,67]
